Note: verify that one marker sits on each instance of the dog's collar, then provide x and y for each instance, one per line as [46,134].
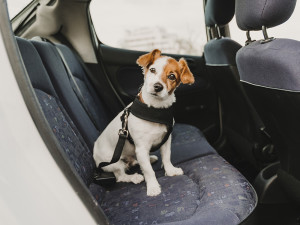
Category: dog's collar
[156,115]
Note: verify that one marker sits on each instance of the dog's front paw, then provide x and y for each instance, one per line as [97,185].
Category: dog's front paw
[174,172]
[153,189]
[137,178]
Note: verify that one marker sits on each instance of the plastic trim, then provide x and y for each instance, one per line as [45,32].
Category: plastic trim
[273,88]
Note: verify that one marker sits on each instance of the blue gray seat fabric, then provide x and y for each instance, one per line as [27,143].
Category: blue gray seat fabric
[210,192]
[270,73]
[271,65]
[218,12]
[221,52]
[252,15]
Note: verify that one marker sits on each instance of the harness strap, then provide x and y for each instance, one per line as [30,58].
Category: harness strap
[164,140]
[156,115]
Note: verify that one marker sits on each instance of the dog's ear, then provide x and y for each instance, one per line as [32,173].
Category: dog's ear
[186,76]
[148,59]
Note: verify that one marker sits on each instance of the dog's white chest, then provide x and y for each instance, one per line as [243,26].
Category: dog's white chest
[146,132]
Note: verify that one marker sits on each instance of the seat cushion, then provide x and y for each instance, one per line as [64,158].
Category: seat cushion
[211,191]
[188,142]
[69,138]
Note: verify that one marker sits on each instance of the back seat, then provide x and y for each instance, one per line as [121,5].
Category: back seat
[210,192]
[182,135]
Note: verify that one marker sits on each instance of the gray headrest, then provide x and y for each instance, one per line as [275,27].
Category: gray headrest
[253,14]
[218,12]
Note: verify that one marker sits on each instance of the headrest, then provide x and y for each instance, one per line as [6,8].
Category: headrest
[218,12]
[253,14]
[221,52]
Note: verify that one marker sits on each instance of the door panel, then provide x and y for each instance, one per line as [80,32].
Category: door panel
[195,104]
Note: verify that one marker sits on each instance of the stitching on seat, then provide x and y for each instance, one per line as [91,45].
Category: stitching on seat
[262,12]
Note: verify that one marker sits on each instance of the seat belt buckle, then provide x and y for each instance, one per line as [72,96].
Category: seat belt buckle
[104,178]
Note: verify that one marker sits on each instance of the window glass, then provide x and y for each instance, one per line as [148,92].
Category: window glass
[174,26]
[290,29]
[16,6]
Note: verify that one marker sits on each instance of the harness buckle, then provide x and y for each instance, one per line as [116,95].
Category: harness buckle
[123,132]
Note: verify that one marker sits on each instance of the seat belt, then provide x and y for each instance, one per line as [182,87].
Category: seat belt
[76,89]
[265,150]
[108,178]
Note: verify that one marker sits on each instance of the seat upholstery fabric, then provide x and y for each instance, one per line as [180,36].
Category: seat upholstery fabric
[62,126]
[272,65]
[221,52]
[210,185]
[218,12]
[210,192]
[252,15]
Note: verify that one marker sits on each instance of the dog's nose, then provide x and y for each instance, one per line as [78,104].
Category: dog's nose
[158,87]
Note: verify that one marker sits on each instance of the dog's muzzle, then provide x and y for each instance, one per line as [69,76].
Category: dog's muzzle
[158,87]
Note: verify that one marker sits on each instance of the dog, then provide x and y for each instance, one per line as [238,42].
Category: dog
[162,75]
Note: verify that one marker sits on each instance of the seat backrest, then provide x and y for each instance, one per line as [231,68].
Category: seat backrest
[240,123]
[270,70]
[73,145]
[63,87]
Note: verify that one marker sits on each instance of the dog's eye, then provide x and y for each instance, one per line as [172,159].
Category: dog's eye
[172,76]
[153,70]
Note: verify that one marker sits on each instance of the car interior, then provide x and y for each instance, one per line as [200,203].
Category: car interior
[235,135]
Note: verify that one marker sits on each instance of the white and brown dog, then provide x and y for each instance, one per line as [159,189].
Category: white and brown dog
[162,75]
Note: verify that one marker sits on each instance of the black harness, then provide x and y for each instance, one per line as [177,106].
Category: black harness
[142,111]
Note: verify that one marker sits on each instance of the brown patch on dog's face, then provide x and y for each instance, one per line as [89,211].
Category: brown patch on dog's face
[186,76]
[176,72]
[171,75]
[148,59]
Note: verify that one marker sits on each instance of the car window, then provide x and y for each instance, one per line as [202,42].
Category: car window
[16,6]
[174,26]
[290,29]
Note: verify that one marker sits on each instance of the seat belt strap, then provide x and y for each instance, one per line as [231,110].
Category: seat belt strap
[107,178]
[76,88]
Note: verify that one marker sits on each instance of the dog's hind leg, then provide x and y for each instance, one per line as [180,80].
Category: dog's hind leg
[119,168]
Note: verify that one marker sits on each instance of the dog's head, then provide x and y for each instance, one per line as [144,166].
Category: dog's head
[163,74]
